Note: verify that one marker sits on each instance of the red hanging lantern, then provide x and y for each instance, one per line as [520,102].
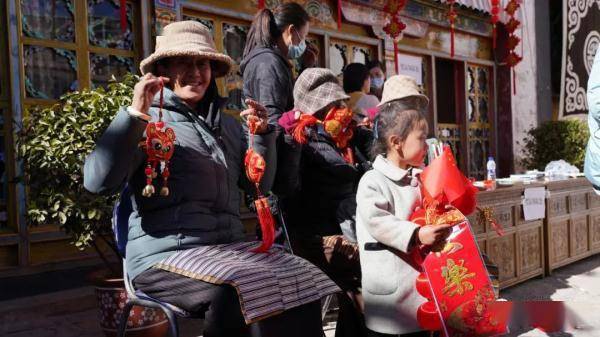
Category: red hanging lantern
[395,26]
[495,18]
[452,15]
[512,59]
[261,4]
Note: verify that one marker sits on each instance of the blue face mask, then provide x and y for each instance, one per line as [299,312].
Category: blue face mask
[295,51]
[376,82]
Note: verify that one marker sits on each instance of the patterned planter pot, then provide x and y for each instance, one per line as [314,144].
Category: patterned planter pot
[142,321]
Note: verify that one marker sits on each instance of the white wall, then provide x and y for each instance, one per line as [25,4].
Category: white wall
[524,103]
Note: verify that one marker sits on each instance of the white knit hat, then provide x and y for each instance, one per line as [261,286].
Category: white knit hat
[187,38]
[400,87]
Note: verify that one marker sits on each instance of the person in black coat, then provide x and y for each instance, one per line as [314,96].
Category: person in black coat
[320,163]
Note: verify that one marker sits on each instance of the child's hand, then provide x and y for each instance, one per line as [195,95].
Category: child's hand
[433,234]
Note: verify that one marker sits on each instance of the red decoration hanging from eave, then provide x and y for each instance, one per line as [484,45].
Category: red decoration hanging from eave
[494,20]
[339,14]
[123,12]
[261,4]
[395,27]
[452,18]
[512,59]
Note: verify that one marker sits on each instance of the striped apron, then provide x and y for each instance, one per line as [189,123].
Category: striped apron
[267,284]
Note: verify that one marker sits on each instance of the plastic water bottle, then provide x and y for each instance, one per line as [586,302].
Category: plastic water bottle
[490,181]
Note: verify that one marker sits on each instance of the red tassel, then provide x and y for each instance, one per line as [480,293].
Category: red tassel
[396,57]
[261,4]
[123,10]
[452,40]
[494,37]
[339,15]
[267,224]
[514,81]
[299,133]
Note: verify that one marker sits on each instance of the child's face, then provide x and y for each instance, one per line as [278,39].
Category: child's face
[414,148]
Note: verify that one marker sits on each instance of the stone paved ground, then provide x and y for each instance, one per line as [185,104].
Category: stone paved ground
[72,313]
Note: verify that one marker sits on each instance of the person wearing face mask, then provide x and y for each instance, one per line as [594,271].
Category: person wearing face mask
[275,38]
[377,78]
[357,84]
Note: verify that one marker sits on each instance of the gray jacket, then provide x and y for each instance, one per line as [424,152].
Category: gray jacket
[206,172]
[386,199]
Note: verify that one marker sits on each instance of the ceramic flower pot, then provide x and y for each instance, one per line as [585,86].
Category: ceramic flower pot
[111,296]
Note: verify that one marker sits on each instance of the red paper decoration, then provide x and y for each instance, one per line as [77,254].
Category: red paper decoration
[395,26]
[452,19]
[261,4]
[495,18]
[512,59]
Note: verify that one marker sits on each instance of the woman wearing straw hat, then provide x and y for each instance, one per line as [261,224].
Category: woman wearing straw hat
[320,163]
[178,242]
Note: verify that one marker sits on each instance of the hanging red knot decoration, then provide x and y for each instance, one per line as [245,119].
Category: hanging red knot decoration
[261,4]
[512,59]
[255,169]
[452,19]
[123,12]
[395,26]
[159,146]
[495,18]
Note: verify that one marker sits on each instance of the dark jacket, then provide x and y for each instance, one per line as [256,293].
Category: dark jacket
[206,172]
[268,80]
[317,185]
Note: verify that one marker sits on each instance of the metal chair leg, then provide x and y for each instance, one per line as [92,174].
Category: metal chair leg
[124,318]
[173,324]
[326,306]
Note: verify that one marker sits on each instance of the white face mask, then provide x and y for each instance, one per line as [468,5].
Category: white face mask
[295,51]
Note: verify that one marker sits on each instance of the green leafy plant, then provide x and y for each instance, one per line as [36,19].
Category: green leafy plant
[555,140]
[53,144]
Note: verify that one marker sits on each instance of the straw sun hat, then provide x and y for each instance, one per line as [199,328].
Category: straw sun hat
[403,87]
[187,38]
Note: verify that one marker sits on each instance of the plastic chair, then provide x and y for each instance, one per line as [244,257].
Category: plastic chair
[120,223]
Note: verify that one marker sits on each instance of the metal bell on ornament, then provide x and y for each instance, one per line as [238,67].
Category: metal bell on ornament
[164,191]
[148,191]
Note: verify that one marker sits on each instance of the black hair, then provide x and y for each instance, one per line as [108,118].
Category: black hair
[394,118]
[374,64]
[355,75]
[268,25]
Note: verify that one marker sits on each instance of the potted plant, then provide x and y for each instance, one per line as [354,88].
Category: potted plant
[52,145]
[554,140]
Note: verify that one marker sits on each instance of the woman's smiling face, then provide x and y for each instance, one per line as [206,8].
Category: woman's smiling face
[189,77]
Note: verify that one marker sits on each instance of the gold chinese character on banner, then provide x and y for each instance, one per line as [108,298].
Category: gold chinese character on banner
[456,276]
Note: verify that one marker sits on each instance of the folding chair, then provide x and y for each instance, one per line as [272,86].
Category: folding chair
[120,219]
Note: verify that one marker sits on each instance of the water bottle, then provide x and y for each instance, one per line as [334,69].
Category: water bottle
[490,181]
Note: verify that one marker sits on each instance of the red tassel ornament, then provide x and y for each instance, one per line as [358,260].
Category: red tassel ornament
[395,26]
[159,147]
[494,20]
[255,169]
[339,14]
[123,13]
